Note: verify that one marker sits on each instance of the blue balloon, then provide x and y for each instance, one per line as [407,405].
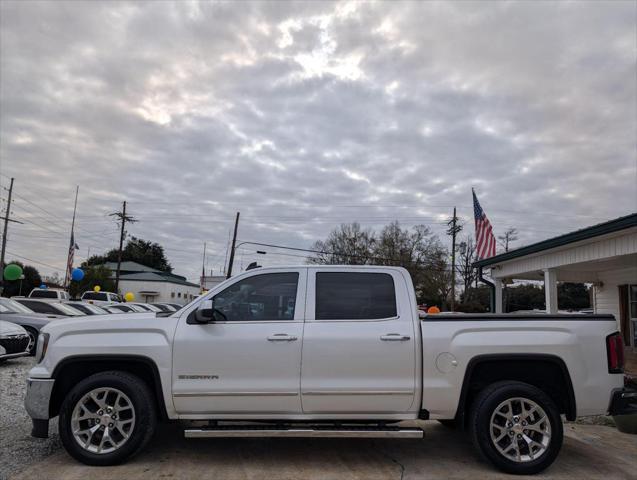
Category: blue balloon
[43,286]
[77,274]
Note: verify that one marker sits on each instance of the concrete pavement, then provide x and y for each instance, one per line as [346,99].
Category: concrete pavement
[589,452]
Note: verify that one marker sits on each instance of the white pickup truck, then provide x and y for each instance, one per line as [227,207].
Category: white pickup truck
[333,351]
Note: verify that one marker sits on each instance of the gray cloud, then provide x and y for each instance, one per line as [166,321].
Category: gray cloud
[305,115]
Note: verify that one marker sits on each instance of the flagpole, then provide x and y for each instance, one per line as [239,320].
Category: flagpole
[72,240]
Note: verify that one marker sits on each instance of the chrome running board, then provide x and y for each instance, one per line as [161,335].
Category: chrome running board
[304,432]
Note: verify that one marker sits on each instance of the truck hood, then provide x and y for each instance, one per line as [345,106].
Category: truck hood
[110,322]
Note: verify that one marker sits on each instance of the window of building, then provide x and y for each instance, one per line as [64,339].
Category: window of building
[178,294]
[172,294]
[354,296]
[271,296]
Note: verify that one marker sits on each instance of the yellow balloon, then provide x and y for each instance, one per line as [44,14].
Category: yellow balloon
[129,297]
[97,288]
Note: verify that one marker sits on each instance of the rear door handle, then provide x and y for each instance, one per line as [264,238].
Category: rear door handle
[394,337]
[282,337]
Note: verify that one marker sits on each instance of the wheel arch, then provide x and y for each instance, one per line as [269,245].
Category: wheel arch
[550,374]
[72,369]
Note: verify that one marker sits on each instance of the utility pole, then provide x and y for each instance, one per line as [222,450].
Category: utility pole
[203,267]
[234,242]
[123,218]
[4,236]
[453,230]
[72,242]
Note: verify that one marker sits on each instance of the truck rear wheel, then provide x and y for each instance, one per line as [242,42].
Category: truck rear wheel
[107,418]
[516,427]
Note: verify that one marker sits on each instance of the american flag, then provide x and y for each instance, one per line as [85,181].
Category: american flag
[69,263]
[485,241]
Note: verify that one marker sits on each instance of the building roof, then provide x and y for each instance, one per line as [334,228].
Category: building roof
[605,228]
[129,266]
[156,277]
[136,272]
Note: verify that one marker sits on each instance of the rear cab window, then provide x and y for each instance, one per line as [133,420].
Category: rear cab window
[355,296]
[43,294]
[94,296]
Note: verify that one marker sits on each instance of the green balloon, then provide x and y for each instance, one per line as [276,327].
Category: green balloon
[12,272]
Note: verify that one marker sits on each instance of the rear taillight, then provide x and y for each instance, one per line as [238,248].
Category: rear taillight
[615,351]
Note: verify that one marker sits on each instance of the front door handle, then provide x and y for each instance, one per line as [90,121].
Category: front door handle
[394,337]
[282,337]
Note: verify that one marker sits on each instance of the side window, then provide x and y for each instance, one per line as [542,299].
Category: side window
[354,296]
[271,296]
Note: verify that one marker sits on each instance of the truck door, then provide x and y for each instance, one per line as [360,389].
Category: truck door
[359,343]
[248,360]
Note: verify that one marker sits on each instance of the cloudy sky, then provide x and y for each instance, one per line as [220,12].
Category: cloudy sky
[306,115]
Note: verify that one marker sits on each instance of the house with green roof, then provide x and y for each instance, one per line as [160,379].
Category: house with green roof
[603,255]
[151,285]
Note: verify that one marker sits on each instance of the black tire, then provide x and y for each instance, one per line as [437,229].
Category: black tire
[484,407]
[144,410]
[449,423]
[33,339]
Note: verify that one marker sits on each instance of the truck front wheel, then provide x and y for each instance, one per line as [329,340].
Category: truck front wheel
[107,418]
[516,427]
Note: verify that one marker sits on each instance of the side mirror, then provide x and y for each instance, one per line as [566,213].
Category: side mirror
[205,312]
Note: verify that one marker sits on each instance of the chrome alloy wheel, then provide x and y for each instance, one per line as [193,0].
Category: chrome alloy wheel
[103,420]
[520,430]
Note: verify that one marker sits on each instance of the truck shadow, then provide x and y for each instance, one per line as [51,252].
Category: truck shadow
[442,454]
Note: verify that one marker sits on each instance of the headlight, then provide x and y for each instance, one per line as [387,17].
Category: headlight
[40,350]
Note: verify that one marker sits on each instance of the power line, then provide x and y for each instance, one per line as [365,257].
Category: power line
[34,261]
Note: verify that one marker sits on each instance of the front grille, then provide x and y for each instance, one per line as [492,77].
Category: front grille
[15,343]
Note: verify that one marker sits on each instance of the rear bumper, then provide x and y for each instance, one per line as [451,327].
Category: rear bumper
[623,402]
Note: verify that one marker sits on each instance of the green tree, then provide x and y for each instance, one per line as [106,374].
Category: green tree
[475,300]
[573,296]
[31,280]
[93,275]
[136,250]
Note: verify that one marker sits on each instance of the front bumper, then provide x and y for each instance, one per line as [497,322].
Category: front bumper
[7,356]
[623,402]
[37,403]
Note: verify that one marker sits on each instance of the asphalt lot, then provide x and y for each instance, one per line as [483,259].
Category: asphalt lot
[589,452]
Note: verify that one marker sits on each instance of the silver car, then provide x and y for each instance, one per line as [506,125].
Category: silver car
[14,341]
[32,322]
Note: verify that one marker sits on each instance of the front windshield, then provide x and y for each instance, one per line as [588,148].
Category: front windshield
[13,306]
[67,310]
[152,308]
[95,309]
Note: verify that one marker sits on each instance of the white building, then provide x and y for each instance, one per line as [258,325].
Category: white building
[604,255]
[152,285]
[208,282]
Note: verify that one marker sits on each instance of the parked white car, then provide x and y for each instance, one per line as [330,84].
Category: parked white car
[14,341]
[49,294]
[100,298]
[333,351]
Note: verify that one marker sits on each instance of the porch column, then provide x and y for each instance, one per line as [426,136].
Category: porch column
[498,295]
[550,290]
